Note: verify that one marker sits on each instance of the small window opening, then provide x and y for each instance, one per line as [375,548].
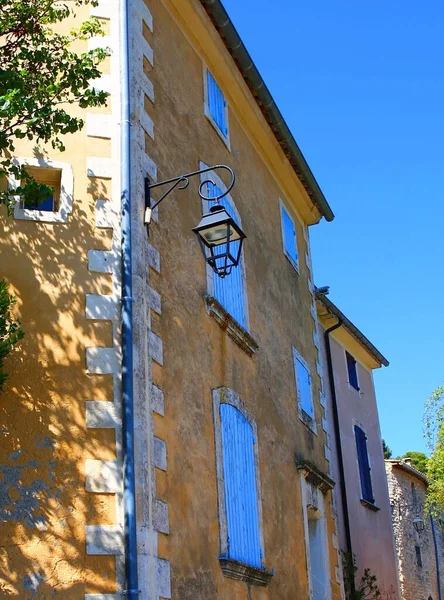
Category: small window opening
[418,556]
[352,371]
[51,178]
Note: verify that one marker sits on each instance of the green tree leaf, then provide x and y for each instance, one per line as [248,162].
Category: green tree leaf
[41,76]
[434,434]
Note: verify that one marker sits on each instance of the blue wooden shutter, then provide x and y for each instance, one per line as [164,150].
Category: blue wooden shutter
[216,104]
[364,465]
[304,388]
[352,371]
[230,290]
[289,235]
[241,501]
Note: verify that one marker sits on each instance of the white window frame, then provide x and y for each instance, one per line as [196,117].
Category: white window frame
[66,192]
[224,395]
[323,515]
[207,112]
[304,417]
[283,206]
[210,273]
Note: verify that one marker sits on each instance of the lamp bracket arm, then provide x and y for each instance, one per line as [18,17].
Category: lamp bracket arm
[182,181]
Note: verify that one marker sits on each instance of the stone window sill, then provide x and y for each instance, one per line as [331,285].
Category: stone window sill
[308,421]
[369,505]
[236,332]
[242,572]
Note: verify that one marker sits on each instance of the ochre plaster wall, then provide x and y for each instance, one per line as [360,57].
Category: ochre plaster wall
[44,442]
[198,356]
[371,532]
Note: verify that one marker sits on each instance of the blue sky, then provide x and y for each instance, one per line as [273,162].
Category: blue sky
[361,86]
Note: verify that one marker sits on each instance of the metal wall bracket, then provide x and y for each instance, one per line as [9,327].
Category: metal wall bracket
[182,182]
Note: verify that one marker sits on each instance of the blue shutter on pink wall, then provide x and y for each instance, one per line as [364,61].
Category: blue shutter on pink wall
[364,465]
[241,501]
[216,104]
[229,291]
[352,371]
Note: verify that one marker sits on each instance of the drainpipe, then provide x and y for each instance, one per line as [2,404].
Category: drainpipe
[435,541]
[129,484]
[338,439]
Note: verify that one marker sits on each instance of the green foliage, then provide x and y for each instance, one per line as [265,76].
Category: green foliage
[434,433]
[419,460]
[366,589]
[10,332]
[40,77]
[387,451]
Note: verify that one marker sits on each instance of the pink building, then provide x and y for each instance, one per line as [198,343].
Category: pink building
[356,455]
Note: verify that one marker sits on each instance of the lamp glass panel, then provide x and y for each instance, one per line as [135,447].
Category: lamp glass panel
[218,234]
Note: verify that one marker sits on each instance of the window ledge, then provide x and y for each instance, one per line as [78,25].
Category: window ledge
[352,387]
[294,264]
[308,421]
[237,333]
[369,505]
[242,572]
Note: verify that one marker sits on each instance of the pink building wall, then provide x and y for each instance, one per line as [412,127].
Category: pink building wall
[371,530]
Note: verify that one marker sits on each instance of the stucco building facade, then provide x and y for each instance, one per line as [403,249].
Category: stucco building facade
[227,375]
[420,550]
[361,494]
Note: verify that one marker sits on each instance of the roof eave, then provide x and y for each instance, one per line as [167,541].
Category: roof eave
[353,330]
[266,103]
[408,469]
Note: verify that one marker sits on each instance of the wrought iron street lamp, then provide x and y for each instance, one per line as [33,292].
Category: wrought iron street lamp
[220,237]
[418,524]
[418,521]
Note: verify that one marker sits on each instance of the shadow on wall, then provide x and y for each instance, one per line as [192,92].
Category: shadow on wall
[44,441]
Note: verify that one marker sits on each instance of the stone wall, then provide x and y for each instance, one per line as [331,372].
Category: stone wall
[407,490]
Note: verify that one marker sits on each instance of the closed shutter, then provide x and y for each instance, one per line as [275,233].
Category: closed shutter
[216,104]
[352,371]
[289,235]
[364,465]
[229,291]
[303,381]
[241,500]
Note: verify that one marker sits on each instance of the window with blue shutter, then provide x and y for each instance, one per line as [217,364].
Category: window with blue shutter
[241,498]
[217,104]
[364,465]
[303,384]
[352,371]
[289,237]
[229,291]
